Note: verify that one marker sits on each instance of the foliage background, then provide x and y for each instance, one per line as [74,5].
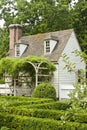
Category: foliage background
[37,16]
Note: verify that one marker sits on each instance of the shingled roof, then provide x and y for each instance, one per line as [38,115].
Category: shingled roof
[36,44]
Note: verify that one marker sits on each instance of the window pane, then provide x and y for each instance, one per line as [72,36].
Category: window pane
[47,46]
[17,50]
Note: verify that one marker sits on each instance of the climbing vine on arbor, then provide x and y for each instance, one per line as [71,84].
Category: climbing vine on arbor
[16,65]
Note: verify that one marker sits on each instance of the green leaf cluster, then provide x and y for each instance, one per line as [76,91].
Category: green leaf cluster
[78,96]
[16,65]
[3,42]
[79,15]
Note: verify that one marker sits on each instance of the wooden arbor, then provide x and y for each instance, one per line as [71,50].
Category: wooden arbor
[41,75]
[38,68]
[27,72]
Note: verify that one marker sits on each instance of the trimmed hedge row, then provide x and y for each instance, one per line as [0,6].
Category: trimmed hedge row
[15,122]
[58,105]
[36,109]
[22,98]
[15,98]
[79,117]
[24,102]
[37,103]
[46,113]
[40,113]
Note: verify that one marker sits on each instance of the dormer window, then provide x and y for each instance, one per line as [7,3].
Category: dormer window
[50,43]
[20,49]
[17,50]
[47,46]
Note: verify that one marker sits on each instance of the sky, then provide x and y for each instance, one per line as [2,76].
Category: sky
[2,21]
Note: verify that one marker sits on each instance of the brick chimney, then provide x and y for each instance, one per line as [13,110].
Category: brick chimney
[15,31]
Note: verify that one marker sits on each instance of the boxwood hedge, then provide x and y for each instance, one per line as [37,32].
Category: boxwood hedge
[23,113]
[31,123]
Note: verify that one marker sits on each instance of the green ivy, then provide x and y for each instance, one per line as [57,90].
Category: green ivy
[15,65]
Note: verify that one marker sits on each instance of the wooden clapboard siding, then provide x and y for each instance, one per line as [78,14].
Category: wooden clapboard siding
[61,76]
[66,77]
[55,80]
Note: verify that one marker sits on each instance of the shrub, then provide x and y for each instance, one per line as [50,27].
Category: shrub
[60,105]
[35,112]
[8,101]
[15,122]
[44,90]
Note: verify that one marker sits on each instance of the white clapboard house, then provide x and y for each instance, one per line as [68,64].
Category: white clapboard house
[51,45]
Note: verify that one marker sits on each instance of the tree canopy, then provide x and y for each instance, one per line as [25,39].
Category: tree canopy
[4,38]
[80,22]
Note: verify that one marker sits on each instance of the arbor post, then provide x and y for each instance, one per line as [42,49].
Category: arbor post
[36,76]
[14,87]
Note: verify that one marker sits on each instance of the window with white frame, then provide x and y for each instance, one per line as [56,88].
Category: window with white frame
[47,46]
[17,50]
